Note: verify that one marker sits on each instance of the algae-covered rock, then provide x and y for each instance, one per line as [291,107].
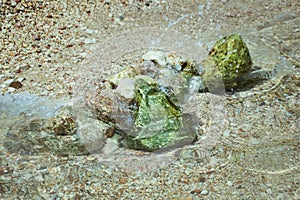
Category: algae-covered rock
[157,119]
[232,58]
[153,104]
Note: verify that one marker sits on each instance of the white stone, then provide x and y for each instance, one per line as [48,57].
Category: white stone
[269,191]
[157,56]
[226,133]
[126,88]
[90,41]
[83,54]
[90,31]
[11,89]
[229,183]
[204,192]
[13,3]
[8,82]
[21,79]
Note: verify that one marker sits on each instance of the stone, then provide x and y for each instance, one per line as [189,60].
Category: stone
[125,88]
[232,58]
[157,119]
[90,31]
[10,90]
[204,192]
[90,40]
[175,61]
[158,57]
[128,73]
[196,84]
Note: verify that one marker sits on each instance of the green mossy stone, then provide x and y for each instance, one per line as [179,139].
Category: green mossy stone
[157,119]
[232,58]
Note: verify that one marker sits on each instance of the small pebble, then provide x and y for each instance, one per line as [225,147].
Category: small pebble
[10,89]
[226,133]
[229,183]
[269,191]
[123,180]
[90,31]
[16,84]
[90,41]
[13,3]
[8,82]
[21,79]
[204,192]
[89,174]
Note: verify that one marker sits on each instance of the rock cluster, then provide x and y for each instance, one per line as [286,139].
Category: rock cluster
[145,102]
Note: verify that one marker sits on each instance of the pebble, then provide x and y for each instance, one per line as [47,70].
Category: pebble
[13,3]
[269,191]
[83,54]
[90,40]
[157,56]
[10,89]
[123,180]
[89,173]
[226,133]
[8,82]
[187,172]
[229,183]
[90,31]
[16,84]
[20,79]
[204,192]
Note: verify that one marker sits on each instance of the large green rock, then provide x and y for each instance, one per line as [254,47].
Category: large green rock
[158,120]
[232,59]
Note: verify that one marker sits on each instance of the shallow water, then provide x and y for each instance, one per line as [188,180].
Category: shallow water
[261,154]
[261,131]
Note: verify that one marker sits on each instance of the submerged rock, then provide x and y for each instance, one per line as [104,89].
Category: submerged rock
[144,103]
[157,119]
[56,134]
[232,58]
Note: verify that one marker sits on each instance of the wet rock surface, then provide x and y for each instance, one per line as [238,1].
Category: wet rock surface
[232,58]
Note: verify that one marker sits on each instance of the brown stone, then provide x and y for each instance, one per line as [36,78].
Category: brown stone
[16,84]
